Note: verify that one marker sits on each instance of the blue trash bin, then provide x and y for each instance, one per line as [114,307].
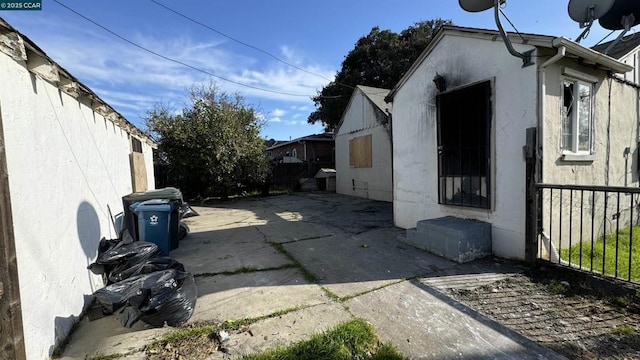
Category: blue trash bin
[154,219]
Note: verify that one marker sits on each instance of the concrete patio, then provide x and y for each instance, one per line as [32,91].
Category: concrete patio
[320,259]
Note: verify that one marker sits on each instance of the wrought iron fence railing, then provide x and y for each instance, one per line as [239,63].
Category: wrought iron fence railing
[592,228]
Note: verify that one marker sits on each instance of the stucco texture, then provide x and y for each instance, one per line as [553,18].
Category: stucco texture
[463,61]
[67,168]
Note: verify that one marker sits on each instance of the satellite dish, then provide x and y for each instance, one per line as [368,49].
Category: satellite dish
[477,5]
[584,11]
[617,18]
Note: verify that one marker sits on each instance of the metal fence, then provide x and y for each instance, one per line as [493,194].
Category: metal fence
[590,228]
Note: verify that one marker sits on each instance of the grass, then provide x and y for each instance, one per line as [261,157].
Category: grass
[183,334]
[306,273]
[624,330]
[604,251]
[196,331]
[310,277]
[354,339]
[105,357]
[555,287]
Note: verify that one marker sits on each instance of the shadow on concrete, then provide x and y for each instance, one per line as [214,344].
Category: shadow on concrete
[254,257]
[527,344]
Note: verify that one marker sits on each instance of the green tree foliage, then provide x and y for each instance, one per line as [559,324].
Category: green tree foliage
[378,59]
[212,146]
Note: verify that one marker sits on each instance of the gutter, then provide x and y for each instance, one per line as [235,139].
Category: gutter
[608,62]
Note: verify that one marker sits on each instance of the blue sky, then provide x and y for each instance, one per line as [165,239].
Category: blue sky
[313,35]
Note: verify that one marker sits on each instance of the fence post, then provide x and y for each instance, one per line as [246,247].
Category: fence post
[12,344]
[531,201]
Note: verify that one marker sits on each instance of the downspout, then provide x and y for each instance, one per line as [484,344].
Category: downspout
[542,78]
[542,86]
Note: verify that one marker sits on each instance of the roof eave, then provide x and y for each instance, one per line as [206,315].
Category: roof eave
[605,61]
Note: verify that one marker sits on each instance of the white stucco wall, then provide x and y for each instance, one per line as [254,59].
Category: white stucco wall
[67,165]
[465,61]
[374,182]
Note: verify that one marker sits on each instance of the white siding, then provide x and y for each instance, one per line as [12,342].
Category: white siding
[67,166]
[464,61]
[632,59]
[374,182]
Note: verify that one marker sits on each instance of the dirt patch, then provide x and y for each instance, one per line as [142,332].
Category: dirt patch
[568,316]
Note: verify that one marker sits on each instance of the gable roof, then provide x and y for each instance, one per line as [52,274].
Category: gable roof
[626,45]
[19,47]
[325,137]
[573,49]
[375,95]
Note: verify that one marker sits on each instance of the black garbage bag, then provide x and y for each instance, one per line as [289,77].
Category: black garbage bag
[122,260]
[187,211]
[183,231]
[167,296]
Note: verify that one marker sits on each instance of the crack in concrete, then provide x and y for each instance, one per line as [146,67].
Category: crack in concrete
[246,270]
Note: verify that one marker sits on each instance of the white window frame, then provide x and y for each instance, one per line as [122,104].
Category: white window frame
[578,79]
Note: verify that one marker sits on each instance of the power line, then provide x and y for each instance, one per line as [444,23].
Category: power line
[246,44]
[174,60]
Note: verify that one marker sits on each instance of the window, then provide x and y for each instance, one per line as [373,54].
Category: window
[464,151]
[294,153]
[136,145]
[360,152]
[577,116]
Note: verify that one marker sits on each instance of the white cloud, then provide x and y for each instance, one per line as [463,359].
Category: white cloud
[301,108]
[133,80]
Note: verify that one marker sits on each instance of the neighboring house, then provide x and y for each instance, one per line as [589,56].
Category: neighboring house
[311,148]
[460,120]
[627,50]
[363,146]
[66,160]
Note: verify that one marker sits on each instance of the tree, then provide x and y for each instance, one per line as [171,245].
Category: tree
[378,59]
[211,146]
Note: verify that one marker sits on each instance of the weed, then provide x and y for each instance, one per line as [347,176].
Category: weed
[555,287]
[621,301]
[104,357]
[183,334]
[623,330]
[307,275]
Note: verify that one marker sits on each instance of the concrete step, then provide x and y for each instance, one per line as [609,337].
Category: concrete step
[456,239]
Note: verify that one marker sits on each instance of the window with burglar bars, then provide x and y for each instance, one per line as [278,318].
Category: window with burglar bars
[464,128]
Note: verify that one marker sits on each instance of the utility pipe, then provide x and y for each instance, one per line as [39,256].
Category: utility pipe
[542,90]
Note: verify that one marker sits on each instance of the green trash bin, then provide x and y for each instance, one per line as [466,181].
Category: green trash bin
[130,220]
[153,222]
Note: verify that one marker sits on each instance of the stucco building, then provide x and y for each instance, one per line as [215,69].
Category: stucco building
[363,146]
[66,159]
[461,116]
